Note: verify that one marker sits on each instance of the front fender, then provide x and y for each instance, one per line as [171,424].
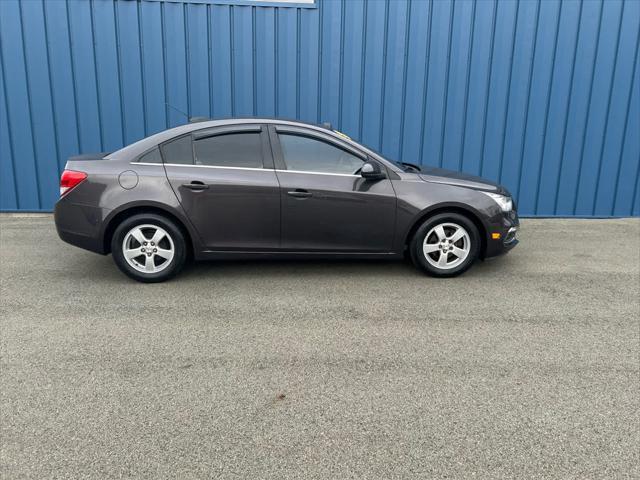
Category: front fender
[419,200]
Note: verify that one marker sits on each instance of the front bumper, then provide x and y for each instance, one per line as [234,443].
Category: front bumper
[502,234]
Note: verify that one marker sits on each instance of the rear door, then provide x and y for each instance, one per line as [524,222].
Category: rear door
[225,180]
[326,204]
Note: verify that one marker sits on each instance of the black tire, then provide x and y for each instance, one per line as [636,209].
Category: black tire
[173,240]
[419,257]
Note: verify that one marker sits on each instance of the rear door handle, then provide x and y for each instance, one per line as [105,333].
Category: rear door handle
[300,193]
[195,185]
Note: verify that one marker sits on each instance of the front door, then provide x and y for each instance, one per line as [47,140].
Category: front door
[326,204]
[225,181]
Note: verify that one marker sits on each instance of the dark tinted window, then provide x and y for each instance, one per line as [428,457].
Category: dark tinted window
[151,157]
[230,150]
[312,155]
[178,151]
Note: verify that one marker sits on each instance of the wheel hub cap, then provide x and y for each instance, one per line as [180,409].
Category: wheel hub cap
[148,248]
[446,245]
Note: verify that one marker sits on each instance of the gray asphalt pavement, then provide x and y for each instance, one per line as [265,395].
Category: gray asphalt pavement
[528,366]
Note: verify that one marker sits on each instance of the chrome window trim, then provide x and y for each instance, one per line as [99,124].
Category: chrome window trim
[205,166]
[319,173]
[247,168]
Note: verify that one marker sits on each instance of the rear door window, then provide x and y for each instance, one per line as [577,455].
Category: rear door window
[242,149]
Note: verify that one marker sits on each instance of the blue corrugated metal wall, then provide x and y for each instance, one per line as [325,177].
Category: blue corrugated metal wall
[541,95]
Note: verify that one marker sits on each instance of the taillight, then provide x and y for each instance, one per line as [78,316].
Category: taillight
[70,179]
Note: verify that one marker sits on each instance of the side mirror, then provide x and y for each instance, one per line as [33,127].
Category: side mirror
[371,171]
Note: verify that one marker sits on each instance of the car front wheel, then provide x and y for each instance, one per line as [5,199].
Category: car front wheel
[148,248]
[445,245]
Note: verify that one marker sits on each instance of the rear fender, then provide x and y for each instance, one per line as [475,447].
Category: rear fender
[116,216]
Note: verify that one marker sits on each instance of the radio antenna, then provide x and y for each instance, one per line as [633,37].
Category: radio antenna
[177,110]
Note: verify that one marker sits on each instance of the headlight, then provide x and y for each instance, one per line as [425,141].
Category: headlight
[505,203]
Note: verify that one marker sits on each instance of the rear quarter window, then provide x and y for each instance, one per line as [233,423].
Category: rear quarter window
[178,151]
[152,156]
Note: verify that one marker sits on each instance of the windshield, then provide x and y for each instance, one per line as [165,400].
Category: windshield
[404,166]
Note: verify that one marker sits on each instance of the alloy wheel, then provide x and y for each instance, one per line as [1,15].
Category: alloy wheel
[446,246]
[148,248]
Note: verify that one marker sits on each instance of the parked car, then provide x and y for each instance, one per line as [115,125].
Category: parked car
[248,188]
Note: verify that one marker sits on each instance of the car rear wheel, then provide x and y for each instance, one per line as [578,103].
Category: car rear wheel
[445,245]
[148,248]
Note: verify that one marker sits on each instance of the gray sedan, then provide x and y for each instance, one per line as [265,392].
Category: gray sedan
[251,188]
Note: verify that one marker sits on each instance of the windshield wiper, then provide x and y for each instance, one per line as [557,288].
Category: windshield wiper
[409,167]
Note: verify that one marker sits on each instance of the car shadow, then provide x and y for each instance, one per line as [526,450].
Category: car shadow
[310,268]
[277,268]
[298,268]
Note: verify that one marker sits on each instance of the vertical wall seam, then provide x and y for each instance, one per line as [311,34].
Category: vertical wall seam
[320,55]
[164,65]
[187,57]
[443,120]
[142,75]
[635,189]
[95,72]
[341,64]
[466,86]
[506,104]
[589,95]
[209,61]
[232,62]
[254,106]
[73,77]
[298,30]
[11,141]
[362,68]
[116,24]
[50,80]
[607,112]
[384,72]
[30,108]
[425,84]
[624,128]
[527,105]
[523,137]
[276,56]
[546,114]
[567,111]
[634,196]
[494,20]
[404,78]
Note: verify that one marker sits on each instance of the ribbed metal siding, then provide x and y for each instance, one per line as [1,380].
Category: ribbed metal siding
[543,96]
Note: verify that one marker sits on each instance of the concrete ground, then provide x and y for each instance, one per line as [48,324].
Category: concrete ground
[528,366]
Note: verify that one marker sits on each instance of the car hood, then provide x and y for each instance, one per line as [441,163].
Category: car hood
[459,179]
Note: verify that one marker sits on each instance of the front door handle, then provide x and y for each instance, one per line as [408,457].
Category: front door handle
[195,186]
[300,193]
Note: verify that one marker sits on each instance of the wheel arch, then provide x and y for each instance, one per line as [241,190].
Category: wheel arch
[117,217]
[448,208]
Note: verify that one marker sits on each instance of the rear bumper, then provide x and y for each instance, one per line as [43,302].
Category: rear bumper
[506,228]
[80,225]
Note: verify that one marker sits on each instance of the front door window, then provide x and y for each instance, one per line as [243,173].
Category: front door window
[307,154]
